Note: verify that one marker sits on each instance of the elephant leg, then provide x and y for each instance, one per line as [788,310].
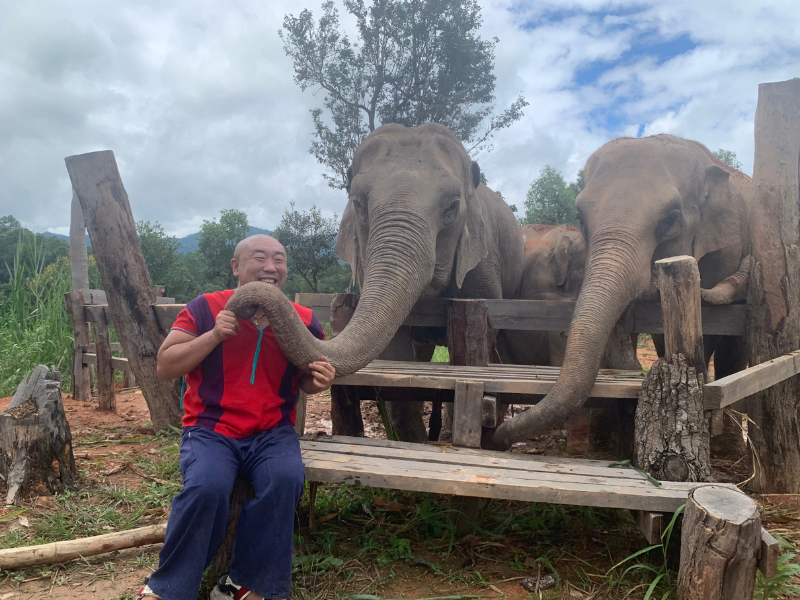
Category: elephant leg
[730,356]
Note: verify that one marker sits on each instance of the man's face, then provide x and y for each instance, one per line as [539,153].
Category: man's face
[262,259]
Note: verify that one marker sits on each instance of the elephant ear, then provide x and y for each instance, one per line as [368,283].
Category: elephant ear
[472,245]
[559,260]
[347,243]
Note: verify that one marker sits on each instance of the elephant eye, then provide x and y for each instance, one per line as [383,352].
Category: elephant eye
[667,225]
[361,211]
[451,212]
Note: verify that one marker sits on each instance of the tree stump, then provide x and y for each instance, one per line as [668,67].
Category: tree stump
[671,436]
[774,289]
[720,544]
[35,439]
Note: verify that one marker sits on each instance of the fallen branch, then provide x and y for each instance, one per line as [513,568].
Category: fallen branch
[45,554]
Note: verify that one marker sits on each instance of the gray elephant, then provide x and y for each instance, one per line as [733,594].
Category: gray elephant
[645,199]
[418,224]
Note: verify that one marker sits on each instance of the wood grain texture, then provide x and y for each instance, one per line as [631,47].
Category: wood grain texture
[109,221]
[774,289]
[81,380]
[106,399]
[720,543]
[724,392]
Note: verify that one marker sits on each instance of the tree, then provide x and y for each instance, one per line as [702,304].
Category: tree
[9,222]
[550,201]
[728,157]
[417,61]
[159,250]
[217,243]
[309,239]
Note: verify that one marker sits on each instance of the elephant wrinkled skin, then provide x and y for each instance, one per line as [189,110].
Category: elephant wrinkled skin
[644,200]
[418,223]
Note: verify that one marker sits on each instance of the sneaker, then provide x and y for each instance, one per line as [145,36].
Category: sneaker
[145,593]
[227,590]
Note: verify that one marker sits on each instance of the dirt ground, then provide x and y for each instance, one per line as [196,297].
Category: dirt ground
[108,445]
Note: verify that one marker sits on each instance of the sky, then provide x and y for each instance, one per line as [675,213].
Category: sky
[197,101]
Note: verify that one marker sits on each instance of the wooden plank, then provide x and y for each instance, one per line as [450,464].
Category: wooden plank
[717,320]
[388,473]
[770,552]
[733,388]
[120,364]
[105,370]
[166,315]
[468,413]
[651,524]
[115,347]
[81,380]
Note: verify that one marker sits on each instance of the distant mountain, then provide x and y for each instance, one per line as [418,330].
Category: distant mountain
[188,243]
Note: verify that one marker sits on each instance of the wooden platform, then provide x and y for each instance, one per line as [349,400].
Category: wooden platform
[511,379]
[485,474]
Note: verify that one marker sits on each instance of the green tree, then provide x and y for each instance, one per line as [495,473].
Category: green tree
[218,241]
[9,222]
[159,250]
[416,61]
[728,157]
[550,201]
[309,240]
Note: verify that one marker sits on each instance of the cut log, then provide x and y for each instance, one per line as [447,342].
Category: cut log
[105,371]
[35,439]
[96,179]
[774,290]
[59,552]
[671,431]
[720,545]
[345,405]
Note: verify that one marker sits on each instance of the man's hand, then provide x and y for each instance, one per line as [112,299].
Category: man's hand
[321,376]
[226,325]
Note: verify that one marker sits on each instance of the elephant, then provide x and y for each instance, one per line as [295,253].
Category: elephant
[644,199]
[418,223]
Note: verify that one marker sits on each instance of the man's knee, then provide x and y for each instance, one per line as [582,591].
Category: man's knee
[288,475]
[209,492]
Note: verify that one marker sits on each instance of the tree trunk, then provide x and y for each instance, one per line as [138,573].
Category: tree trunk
[97,182]
[720,543]
[345,405]
[35,439]
[671,426]
[774,295]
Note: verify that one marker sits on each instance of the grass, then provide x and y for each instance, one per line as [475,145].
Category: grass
[34,325]
[441,354]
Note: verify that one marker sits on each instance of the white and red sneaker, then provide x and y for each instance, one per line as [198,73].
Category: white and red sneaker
[227,590]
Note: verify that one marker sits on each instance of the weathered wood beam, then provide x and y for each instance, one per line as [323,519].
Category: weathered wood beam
[81,375]
[120,364]
[117,250]
[724,392]
[105,370]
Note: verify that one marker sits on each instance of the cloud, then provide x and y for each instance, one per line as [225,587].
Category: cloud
[198,103]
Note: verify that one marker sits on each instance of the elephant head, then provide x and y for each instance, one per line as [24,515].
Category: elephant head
[644,199]
[412,227]
[555,257]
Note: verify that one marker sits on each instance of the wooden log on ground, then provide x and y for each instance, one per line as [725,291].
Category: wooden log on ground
[672,439]
[96,179]
[774,290]
[59,552]
[105,371]
[35,439]
[345,406]
[720,545]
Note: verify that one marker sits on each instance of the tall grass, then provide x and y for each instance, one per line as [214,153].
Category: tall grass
[34,325]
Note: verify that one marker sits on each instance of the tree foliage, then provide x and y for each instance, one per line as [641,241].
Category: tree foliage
[217,243]
[416,61]
[309,239]
[550,201]
[159,250]
[728,157]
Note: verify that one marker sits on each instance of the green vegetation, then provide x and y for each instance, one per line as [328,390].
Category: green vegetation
[550,200]
[217,243]
[729,158]
[414,62]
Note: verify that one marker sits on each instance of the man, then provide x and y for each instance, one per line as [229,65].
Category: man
[239,414]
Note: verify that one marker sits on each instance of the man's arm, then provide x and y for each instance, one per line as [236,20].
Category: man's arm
[181,352]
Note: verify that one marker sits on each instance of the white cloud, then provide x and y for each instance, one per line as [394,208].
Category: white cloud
[198,103]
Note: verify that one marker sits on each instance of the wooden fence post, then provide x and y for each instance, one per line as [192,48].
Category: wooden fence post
[720,545]
[672,427]
[81,376]
[774,290]
[97,182]
[345,406]
[105,372]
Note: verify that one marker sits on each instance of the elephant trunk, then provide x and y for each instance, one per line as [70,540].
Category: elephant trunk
[400,265]
[615,276]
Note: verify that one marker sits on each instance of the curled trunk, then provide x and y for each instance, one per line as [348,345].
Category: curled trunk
[395,276]
[612,282]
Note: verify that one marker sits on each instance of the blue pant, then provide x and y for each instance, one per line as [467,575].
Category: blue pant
[262,551]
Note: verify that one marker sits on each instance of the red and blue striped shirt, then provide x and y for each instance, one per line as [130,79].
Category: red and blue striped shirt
[245,385]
